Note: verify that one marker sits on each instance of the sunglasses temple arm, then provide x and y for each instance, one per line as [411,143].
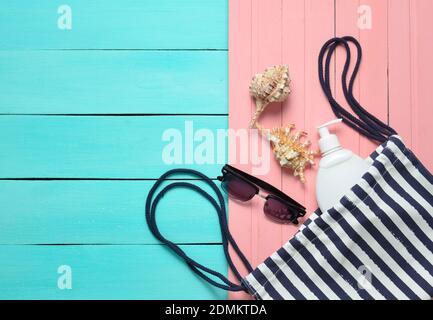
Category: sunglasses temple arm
[302,209]
[266,186]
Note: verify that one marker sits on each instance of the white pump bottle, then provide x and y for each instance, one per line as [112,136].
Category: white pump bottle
[339,169]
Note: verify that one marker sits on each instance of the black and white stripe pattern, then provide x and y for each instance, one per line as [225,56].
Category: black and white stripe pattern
[377,243]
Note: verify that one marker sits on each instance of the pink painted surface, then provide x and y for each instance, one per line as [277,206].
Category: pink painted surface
[394,84]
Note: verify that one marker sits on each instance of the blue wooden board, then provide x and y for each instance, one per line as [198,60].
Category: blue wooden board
[114,24]
[100,212]
[91,103]
[88,82]
[106,272]
[98,147]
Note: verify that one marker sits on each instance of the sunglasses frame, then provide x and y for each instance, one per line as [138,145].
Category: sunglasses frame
[273,192]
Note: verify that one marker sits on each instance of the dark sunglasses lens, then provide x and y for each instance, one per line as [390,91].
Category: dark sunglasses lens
[238,188]
[278,210]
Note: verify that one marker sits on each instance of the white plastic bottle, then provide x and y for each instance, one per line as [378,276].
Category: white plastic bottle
[339,169]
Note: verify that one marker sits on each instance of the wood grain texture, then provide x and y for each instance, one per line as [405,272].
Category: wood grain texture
[346,23]
[116,82]
[399,61]
[101,147]
[101,212]
[131,57]
[294,32]
[422,78]
[393,82]
[320,27]
[267,51]
[112,24]
[305,25]
[373,76]
[107,272]
[182,50]
[240,51]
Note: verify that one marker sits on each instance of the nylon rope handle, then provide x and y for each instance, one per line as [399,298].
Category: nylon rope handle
[365,123]
[220,208]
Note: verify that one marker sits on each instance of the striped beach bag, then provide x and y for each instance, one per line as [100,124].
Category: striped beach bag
[377,242]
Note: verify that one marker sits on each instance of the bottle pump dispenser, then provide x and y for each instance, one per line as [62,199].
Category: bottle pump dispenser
[339,169]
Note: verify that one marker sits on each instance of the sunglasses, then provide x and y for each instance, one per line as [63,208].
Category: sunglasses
[243,187]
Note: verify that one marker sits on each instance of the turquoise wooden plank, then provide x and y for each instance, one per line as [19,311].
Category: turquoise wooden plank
[100,82]
[106,272]
[101,212]
[108,24]
[106,147]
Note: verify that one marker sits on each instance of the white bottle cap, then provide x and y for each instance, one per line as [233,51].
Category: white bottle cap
[328,142]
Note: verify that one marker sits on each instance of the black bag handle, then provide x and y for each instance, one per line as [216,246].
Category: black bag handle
[366,124]
[227,238]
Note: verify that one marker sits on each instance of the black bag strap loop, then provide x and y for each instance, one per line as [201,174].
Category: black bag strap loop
[365,123]
[220,208]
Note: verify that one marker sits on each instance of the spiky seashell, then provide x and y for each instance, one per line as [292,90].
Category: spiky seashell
[273,85]
[291,150]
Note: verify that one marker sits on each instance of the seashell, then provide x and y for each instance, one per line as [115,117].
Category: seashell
[290,151]
[272,85]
